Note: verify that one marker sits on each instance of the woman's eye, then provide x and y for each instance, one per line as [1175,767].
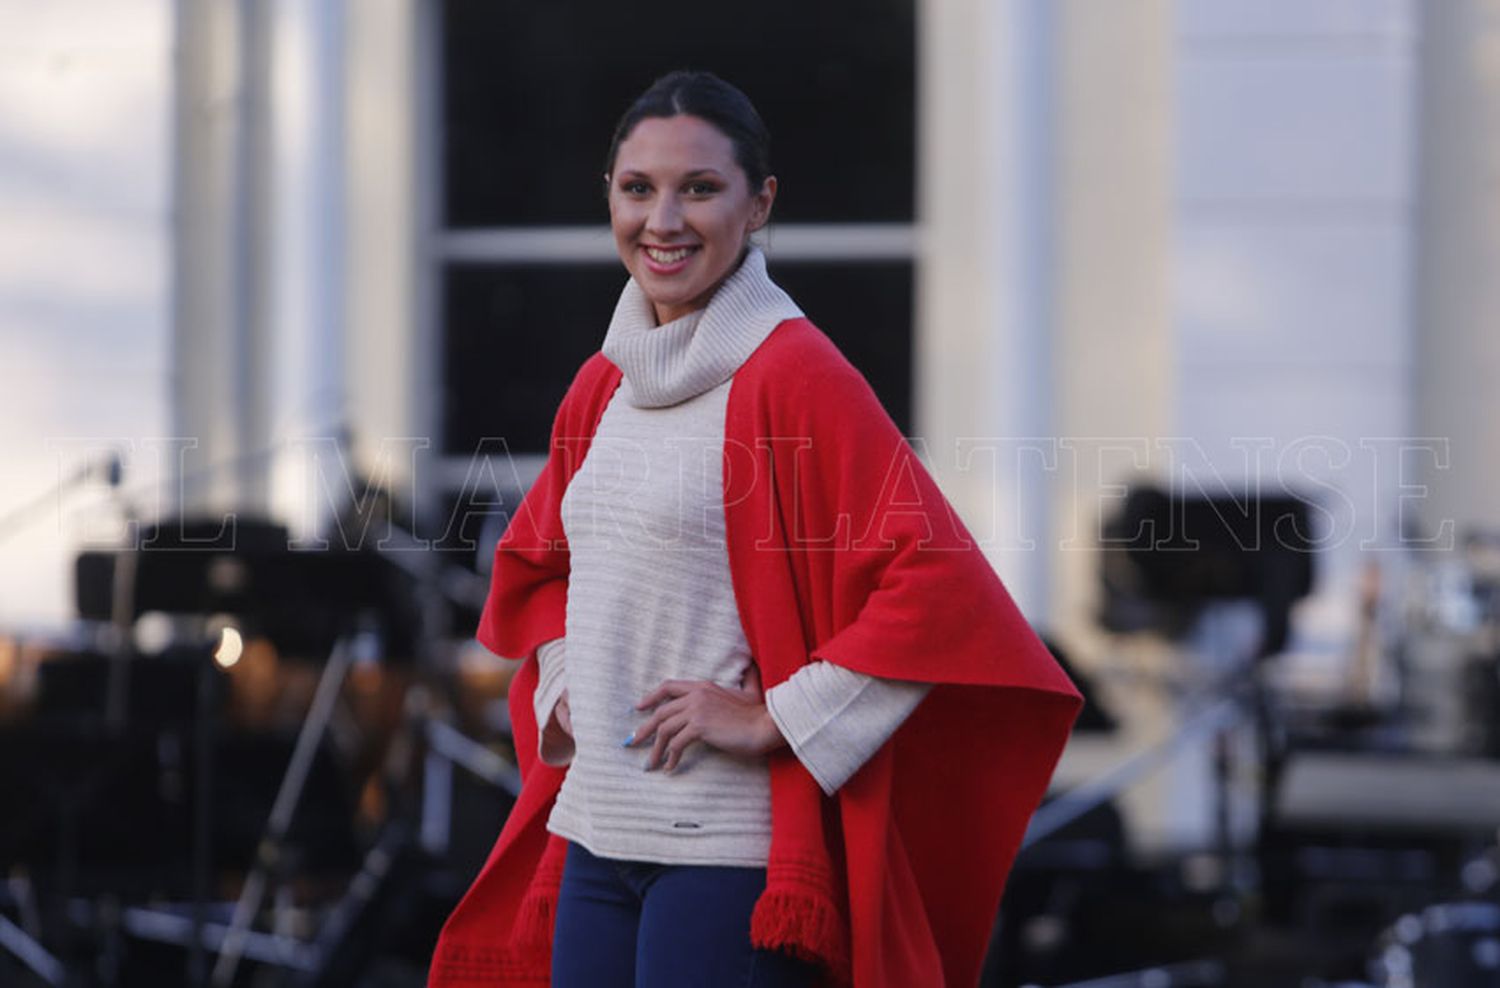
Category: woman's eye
[702,188]
[634,188]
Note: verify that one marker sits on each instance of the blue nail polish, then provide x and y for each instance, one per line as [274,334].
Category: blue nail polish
[626,743]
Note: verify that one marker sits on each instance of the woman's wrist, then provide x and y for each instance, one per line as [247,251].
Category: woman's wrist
[770,735]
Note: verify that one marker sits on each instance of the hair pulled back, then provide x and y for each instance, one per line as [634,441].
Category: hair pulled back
[704,95]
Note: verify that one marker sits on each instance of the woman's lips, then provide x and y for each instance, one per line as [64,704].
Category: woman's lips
[668,260]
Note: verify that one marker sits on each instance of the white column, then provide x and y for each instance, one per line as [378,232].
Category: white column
[1114,354]
[211,383]
[1457,296]
[391,379]
[983,284]
[1114,347]
[307,408]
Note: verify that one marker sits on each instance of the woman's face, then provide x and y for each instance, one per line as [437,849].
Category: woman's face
[682,209]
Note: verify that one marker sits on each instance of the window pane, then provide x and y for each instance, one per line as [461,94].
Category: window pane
[532,92]
[866,309]
[517,334]
[515,337]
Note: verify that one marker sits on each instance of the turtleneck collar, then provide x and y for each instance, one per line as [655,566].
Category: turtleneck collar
[667,364]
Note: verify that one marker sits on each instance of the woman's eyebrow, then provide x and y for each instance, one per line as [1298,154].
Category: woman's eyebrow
[694,173]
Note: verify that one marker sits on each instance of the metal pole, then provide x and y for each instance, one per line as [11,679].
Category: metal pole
[287,797]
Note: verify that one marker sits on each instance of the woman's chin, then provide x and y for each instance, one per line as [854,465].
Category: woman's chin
[671,305]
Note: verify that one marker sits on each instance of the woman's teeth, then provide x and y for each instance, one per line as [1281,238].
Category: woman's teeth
[668,256]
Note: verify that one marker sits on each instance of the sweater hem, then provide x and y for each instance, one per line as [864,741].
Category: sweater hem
[663,853]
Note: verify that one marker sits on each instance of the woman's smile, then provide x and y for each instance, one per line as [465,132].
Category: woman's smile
[668,261]
[682,211]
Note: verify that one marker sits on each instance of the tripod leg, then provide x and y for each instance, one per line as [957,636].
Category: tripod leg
[29,952]
[287,797]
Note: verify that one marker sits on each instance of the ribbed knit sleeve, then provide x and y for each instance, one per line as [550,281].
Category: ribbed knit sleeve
[835,718]
[554,747]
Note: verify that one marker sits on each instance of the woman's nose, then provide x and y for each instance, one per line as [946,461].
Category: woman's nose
[666,215]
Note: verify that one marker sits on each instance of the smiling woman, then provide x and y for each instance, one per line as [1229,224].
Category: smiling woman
[682,210]
[771,709]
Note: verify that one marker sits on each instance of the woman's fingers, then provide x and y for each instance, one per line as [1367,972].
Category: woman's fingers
[652,724]
[667,690]
[680,740]
[674,725]
[733,720]
[675,734]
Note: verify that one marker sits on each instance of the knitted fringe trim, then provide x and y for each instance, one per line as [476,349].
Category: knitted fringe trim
[806,926]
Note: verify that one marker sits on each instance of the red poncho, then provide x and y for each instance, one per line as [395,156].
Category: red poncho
[841,547]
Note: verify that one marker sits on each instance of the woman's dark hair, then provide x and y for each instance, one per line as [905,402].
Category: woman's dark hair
[705,95]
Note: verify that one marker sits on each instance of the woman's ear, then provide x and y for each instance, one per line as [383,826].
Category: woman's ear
[760,212]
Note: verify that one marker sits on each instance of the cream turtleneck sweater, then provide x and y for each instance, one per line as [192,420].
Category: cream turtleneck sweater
[650,599]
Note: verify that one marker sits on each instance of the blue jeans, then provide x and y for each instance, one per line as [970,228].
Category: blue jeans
[636,924]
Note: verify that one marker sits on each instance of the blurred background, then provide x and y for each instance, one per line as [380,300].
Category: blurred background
[1192,308]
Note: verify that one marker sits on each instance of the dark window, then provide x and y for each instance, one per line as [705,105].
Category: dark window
[533,90]
[866,310]
[530,93]
[517,334]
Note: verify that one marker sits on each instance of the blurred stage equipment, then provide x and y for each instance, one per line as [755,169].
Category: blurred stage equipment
[127,758]
[1167,556]
[1167,562]
[1382,806]
[1363,818]
[1450,945]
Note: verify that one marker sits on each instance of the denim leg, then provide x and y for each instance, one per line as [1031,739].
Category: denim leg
[695,933]
[594,940]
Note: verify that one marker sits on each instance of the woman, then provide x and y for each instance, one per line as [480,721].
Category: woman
[725,507]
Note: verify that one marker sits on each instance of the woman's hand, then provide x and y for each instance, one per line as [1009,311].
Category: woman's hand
[557,736]
[732,720]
